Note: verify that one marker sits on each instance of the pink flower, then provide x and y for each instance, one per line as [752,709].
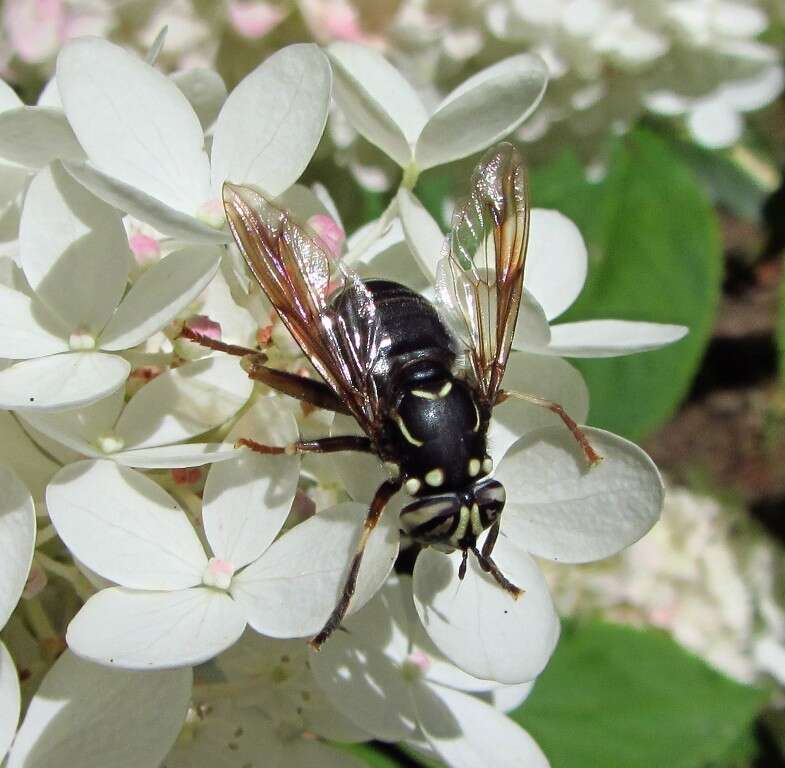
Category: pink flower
[254,20]
[202,325]
[329,232]
[36,28]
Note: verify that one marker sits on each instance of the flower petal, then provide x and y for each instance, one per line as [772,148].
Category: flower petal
[8,97]
[155,630]
[184,402]
[548,377]
[466,732]
[21,454]
[124,526]
[509,697]
[10,700]
[160,294]
[360,670]
[83,714]
[360,473]
[205,91]
[556,261]
[145,207]
[246,500]
[478,625]
[73,249]
[377,99]
[423,236]
[35,136]
[17,539]
[134,123]
[272,121]
[79,428]
[27,329]
[61,381]
[560,508]
[291,590]
[482,110]
[606,338]
[176,456]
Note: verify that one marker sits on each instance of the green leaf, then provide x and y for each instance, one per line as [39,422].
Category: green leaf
[617,696]
[655,255]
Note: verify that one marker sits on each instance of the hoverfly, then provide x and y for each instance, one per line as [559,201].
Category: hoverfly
[422,394]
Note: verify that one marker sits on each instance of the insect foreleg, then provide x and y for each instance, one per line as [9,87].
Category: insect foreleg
[322,445]
[383,494]
[487,564]
[591,455]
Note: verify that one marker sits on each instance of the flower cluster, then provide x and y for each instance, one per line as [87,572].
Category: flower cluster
[163,544]
[705,574]
[610,61]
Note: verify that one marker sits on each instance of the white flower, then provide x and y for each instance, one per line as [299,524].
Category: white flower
[66,330]
[149,430]
[17,541]
[146,147]
[87,715]
[260,698]
[176,604]
[385,675]
[10,700]
[704,574]
[22,455]
[384,107]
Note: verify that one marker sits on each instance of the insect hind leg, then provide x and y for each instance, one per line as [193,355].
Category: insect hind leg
[322,445]
[383,495]
[580,436]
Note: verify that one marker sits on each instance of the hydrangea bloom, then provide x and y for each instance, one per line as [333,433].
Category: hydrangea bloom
[173,575]
[67,327]
[426,701]
[705,575]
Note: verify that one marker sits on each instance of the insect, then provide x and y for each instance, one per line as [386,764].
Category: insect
[422,393]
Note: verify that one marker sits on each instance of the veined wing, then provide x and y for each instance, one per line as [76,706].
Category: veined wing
[480,280]
[300,278]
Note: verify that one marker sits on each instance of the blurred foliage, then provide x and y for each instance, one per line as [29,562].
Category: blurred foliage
[654,255]
[617,696]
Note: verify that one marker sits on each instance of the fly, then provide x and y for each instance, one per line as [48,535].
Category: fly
[421,382]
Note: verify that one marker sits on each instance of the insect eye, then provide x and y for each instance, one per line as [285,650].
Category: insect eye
[432,518]
[490,497]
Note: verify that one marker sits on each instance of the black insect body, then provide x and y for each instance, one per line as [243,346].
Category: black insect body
[421,392]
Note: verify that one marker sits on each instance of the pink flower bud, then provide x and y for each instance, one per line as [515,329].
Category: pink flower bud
[329,232]
[255,19]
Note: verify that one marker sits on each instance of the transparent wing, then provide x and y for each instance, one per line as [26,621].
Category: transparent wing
[480,279]
[341,338]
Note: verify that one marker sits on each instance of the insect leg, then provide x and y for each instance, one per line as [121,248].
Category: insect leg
[300,387]
[322,445]
[591,455]
[383,494]
[487,564]
[218,346]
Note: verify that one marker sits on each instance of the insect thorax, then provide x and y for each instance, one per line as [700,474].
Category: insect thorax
[436,429]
